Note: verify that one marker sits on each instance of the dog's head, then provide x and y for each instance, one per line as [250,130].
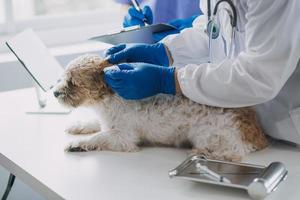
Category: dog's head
[82,82]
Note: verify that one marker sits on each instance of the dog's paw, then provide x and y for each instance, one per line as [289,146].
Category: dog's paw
[80,146]
[83,128]
[199,152]
[90,145]
[216,156]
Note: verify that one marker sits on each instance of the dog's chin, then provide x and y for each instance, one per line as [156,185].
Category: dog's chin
[68,103]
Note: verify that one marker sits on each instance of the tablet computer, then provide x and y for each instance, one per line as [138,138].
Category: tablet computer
[36,58]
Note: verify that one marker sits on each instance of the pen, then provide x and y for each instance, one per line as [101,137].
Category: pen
[138,8]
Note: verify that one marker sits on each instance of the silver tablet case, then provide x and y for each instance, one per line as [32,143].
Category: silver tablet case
[259,181]
[135,34]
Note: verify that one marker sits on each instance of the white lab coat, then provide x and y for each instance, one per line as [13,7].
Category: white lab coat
[267,52]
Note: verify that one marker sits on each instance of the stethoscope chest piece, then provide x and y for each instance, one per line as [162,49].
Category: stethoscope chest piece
[213,30]
[217,25]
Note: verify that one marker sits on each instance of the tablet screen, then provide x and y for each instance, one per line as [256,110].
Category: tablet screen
[36,58]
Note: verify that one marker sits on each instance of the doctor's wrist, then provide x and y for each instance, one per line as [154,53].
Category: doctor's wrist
[170,83]
[167,85]
[177,85]
[169,55]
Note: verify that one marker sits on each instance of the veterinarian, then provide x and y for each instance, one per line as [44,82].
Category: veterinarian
[240,53]
[179,13]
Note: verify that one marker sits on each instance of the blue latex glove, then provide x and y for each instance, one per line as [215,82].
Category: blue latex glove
[140,80]
[138,52]
[134,17]
[180,24]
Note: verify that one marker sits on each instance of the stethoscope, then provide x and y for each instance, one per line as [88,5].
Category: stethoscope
[213,27]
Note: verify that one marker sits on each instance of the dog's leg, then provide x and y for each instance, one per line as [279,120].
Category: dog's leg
[84,127]
[109,140]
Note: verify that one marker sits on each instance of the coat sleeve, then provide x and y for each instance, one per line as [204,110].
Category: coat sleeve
[190,46]
[258,72]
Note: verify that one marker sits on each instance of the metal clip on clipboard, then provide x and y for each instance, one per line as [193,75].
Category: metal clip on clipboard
[259,181]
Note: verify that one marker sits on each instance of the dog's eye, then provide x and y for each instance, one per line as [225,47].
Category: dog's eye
[70,83]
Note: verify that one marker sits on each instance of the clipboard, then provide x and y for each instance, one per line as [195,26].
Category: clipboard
[134,34]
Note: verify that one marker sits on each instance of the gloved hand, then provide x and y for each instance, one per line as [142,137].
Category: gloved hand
[134,17]
[180,24]
[141,80]
[138,52]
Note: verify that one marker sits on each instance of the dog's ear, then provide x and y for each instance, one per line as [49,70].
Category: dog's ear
[98,72]
[103,64]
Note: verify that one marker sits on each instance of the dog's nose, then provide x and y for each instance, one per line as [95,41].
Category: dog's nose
[56,93]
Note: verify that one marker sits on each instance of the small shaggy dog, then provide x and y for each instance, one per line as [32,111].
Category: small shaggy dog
[219,133]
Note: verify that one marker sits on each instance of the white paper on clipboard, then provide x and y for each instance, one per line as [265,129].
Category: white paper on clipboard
[135,34]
